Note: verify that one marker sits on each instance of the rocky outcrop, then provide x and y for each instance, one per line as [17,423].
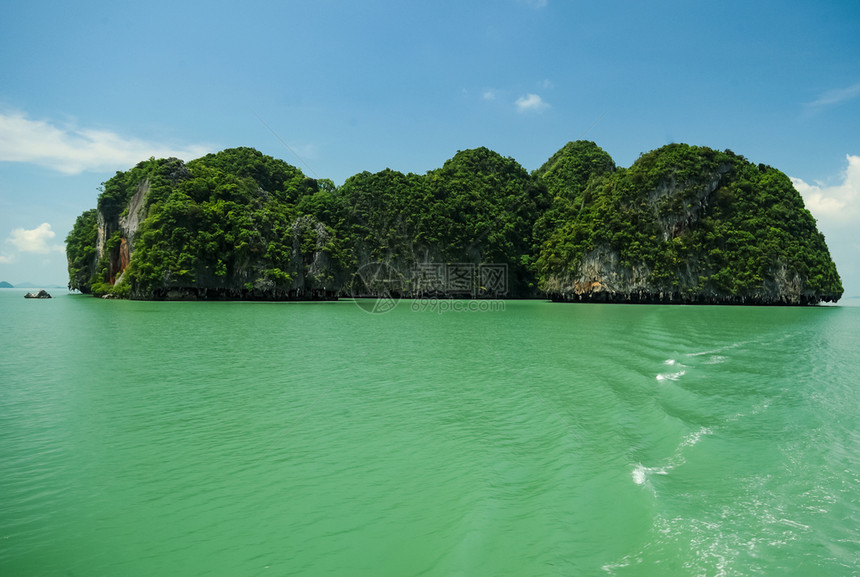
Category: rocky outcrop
[129,222]
[124,226]
[604,279]
[677,205]
[309,257]
[42,294]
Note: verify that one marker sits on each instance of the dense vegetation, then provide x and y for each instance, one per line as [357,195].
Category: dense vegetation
[232,223]
[566,176]
[81,250]
[695,223]
[478,208]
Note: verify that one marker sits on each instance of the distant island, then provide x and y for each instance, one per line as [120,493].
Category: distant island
[683,224]
[4,284]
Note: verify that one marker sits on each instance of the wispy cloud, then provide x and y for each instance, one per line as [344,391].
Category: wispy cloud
[838,203]
[531,103]
[489,94]
[73,150]
[834,97]
[35,240]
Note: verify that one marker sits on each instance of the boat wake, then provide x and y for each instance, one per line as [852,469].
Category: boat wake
[641,473]
[673,375]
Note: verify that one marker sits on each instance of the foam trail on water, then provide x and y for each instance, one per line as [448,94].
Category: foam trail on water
[719,350]
[620,564]
[671,376]
[693,438]
[641,472]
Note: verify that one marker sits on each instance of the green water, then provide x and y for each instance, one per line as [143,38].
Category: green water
[244,439]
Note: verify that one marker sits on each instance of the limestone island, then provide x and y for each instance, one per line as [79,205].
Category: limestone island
[684,224]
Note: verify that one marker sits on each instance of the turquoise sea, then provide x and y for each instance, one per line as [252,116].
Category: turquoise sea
[528,439]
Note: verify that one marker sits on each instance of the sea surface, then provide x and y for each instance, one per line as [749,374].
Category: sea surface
[521,439]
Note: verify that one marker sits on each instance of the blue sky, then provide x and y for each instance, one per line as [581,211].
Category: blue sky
[336,88]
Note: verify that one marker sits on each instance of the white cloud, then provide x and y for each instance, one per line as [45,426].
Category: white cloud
[838,96]
[531,102]
[839,203]
[74,150]
[489,94]
[35,240]
[5,259]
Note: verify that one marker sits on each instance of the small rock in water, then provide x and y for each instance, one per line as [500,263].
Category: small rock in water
[42,294]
